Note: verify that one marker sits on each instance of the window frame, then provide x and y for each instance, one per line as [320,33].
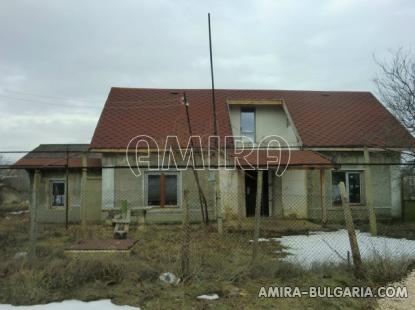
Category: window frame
[362,187]
[158,173]
[246,110]
[51,200]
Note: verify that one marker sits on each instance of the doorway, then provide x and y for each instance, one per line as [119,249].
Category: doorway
[250,193]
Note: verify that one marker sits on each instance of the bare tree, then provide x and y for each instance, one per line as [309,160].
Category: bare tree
[396,86]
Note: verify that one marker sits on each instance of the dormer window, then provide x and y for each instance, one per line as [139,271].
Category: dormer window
[248,123]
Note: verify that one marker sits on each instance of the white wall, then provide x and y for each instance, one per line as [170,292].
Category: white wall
[270,120]
[230,191]
[294,193]
[108,184]
[396,203]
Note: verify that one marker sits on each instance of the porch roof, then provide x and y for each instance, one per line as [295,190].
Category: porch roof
[274,158]
[47,156]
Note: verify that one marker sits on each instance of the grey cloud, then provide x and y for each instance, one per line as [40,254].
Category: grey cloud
[79,49]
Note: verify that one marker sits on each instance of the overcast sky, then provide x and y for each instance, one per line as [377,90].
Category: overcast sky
[58,59]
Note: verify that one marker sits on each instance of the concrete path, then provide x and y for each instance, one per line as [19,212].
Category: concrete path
[401,303]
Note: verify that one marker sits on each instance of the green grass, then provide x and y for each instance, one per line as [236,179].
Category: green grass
[218,264]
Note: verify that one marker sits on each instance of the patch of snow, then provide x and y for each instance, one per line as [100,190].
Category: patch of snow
[104,304]
[208,297]
[169,278]
[20,255]
[333,247]
[261,240]
[18,212]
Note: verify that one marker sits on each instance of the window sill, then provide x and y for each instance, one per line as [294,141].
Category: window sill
[170,209]
[352,206]
[63,208]
[56,207]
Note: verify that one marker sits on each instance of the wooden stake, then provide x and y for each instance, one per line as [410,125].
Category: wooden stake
[202,198]
[369,194]
[185,253]
[83,195]
[67,190]
[322,202]
[33,212]
[258,203]
[162,190]
[219,211]
[357,260]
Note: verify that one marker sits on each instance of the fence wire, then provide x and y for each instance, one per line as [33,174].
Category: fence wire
[304,226]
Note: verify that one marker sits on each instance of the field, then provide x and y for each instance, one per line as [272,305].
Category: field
[218,264]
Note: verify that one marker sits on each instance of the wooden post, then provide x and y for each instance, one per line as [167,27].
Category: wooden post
[83,195]
[67,190]
[357,260]
[202,198]
[369,194]
[33,212]
[258,203]
[322,202]
[185,252]
[218,203]
[162,190]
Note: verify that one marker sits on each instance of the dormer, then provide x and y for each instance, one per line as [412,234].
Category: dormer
[257,119]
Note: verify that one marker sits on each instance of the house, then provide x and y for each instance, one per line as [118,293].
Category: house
[328,137]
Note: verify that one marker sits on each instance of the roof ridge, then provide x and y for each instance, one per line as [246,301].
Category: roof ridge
[242,89]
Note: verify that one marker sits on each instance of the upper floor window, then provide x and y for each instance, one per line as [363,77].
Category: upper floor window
[248,123]
[353,183]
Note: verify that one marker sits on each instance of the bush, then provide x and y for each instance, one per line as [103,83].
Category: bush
[381,270]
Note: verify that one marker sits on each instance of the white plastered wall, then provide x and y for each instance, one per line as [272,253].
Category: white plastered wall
[294,193]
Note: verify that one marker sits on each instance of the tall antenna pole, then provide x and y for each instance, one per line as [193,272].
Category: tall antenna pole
[215,133]
[215,129]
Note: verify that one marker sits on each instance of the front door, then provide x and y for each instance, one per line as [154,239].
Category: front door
[250,193]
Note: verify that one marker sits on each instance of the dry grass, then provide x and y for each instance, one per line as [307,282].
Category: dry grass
[393,229]
[273,225]
[218,264]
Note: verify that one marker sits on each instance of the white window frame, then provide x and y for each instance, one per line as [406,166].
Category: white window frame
[51,200]
[361,181]
[250,134]
[179,186]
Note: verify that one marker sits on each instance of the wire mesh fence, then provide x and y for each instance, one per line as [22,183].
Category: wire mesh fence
[187,228]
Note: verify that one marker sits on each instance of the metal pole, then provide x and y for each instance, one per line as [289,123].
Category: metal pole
[215,129]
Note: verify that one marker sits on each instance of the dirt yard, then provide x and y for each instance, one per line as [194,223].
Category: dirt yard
[401,303]
[219,265]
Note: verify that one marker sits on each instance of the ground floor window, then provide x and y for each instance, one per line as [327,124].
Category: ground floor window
[353,182]
[57,193]
[162,189]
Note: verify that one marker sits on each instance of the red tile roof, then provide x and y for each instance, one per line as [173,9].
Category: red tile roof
[322,119]
[55,163]
[54,156]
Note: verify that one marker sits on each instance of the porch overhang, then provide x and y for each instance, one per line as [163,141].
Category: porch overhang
[298,159]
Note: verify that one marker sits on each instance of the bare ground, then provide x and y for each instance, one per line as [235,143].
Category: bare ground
[400,303]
